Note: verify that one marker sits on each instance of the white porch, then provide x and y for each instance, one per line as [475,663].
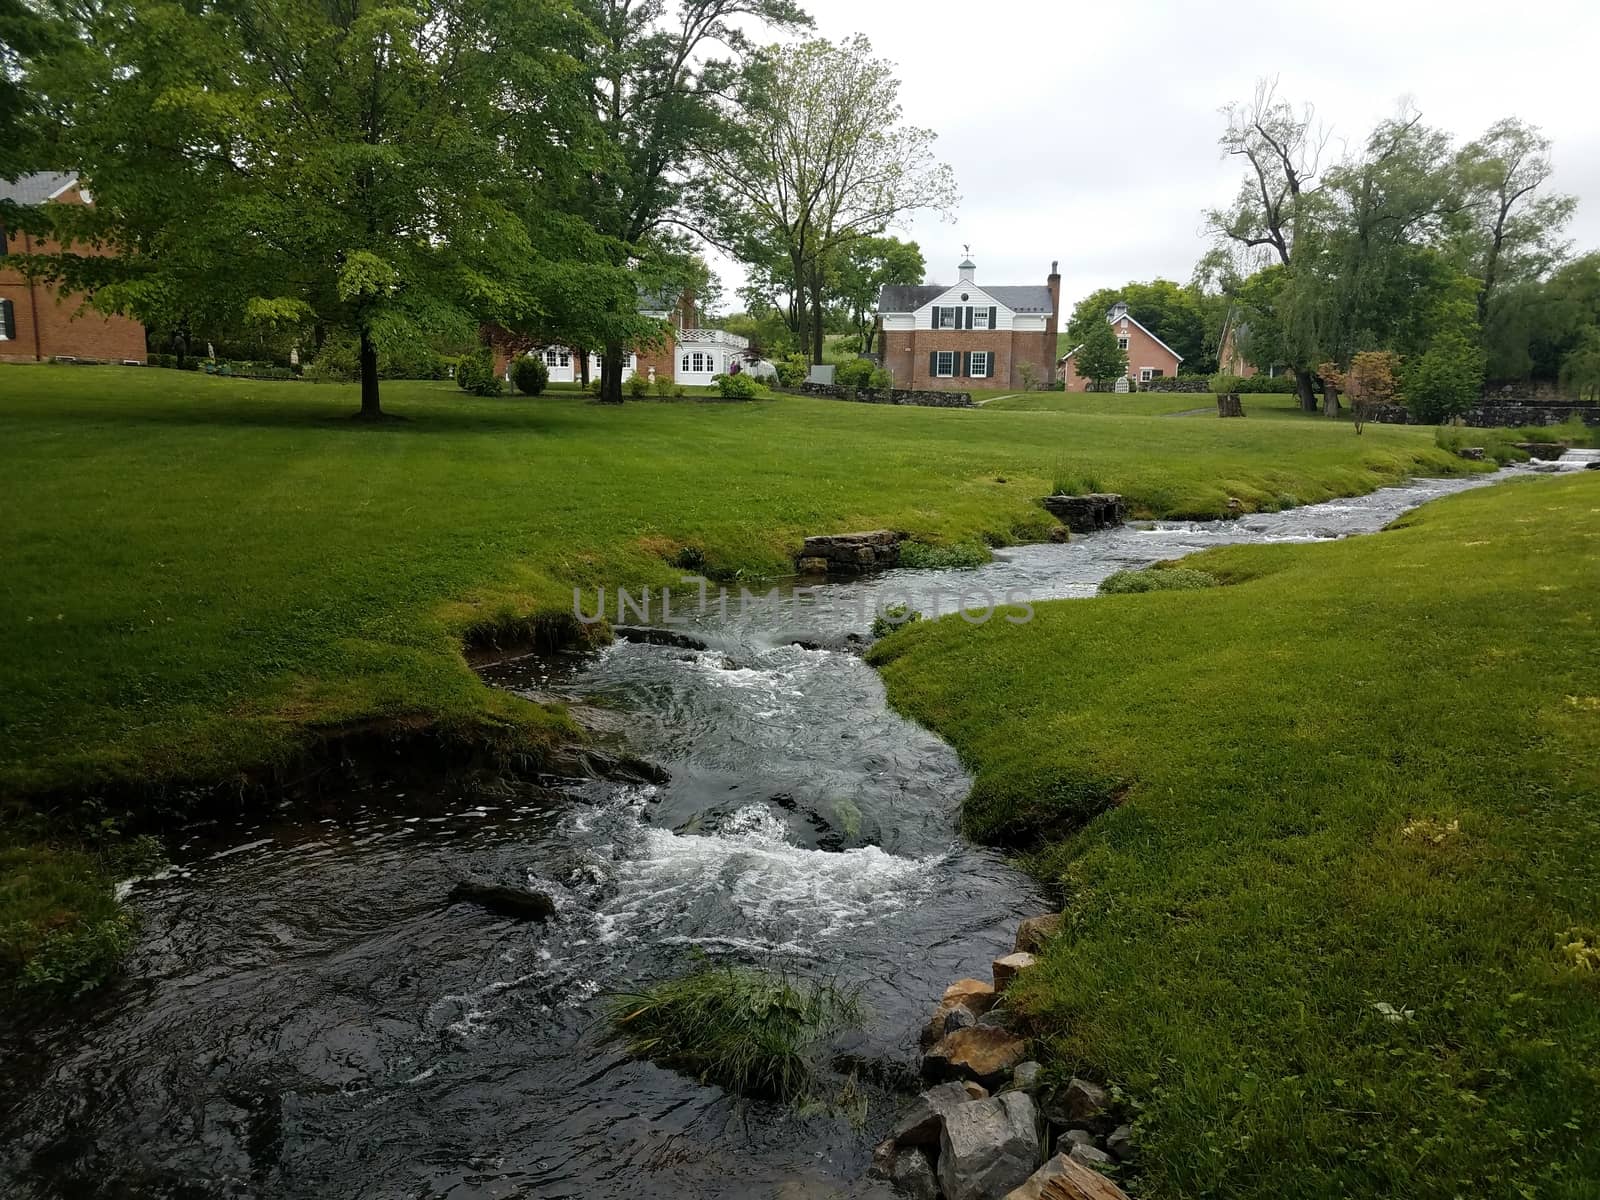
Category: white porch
[703,354]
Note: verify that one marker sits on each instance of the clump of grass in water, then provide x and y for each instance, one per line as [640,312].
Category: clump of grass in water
[1152,579]
[959,556]
[893,618]
[756,1033]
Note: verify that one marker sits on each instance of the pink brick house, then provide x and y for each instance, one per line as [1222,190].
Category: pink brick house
[1148,356]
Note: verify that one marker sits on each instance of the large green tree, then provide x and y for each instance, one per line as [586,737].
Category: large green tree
[868,266]
[26,32]
[818,159]
[655,82]
[1182,316]
[321,165]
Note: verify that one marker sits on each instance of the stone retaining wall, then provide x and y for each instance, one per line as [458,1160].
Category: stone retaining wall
[1499,416]
[850,553]
[1177,383]
[922,399]
[1085,514]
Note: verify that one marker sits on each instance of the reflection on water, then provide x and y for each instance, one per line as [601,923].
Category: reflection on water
[306,1016]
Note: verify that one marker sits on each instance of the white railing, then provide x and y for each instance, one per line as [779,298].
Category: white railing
[691,337]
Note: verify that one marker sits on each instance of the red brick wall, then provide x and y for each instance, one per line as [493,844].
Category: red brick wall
[906,355]
[48,323]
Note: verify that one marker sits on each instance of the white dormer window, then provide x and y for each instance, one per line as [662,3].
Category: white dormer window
[947,318]
[1122,343]
[980,318]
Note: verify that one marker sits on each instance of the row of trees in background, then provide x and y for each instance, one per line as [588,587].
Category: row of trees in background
[380,173]
[1448,256]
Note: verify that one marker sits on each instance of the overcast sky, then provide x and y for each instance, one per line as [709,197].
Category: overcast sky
[1088,132]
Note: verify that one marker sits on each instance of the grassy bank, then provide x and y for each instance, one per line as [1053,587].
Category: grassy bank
[1335,926]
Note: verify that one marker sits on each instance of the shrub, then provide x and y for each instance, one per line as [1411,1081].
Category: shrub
[1445,380]
[881,381]
[1157,579]
[638,386]
[793,370]
[737,387]
[1254,385]
[958,556]
[475,374]
[755,1033]
[594,386]
[855,374]
[530,375]
[663,386]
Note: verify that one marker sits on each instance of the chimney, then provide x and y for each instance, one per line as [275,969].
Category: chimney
[1054,280]
[968,271]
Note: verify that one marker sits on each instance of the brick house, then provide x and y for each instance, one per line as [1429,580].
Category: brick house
[1148,356]
[689,355]
[37,321]
[960,335]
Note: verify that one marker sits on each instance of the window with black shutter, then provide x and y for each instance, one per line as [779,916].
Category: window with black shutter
[8,321]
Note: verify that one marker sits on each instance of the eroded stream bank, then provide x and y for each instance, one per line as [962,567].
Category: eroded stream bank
[305,1014]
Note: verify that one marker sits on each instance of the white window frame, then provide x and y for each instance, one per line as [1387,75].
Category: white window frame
[699,362]
[988,364]
[565,357]
[1146,374]
[552,358]
[939,360]
[980,318]
[939,312]
[1122,343]
[685,361]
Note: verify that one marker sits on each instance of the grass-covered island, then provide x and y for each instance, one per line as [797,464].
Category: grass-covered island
[1326,838]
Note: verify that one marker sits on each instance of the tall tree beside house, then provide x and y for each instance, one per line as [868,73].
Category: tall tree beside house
[318,164]
[1276,206]
[26,32]
[819,160]
[868,266]
[1099,359]
[654,85]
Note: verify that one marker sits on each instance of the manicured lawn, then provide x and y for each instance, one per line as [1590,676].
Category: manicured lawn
[1364,774]
[1144,404]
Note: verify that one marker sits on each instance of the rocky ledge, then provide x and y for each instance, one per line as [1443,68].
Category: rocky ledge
[1085,514]
[850,553]
[995,1125]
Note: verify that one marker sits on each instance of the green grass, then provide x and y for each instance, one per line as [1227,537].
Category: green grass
[200,570]
[1144,404]
[1358,775]
[756,1033]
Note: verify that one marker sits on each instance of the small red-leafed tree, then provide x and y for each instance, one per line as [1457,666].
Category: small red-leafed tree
[1371,382]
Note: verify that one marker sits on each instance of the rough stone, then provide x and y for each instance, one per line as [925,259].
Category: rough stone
[1006,969]
[1082,1100]
[1068,1180]
[1544,450]
[975,1091]
[988,1147]
[1474,453]
[1120,1142]
[1026,1076]
[1085,514]
[1076,1137]
[507,901]
[1089,1156]
[1034,932]
[814,565]
[922,1119]
[913,1174]
[959,1016]
[883,1155]
[974,993]
[854,553]
[983,1054]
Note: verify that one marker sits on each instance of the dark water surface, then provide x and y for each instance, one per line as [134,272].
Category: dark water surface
[305,1015]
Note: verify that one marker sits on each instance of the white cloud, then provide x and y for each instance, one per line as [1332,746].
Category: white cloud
[1087,132]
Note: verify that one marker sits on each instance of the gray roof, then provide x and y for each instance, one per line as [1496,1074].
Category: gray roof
[1029,298]
[35,189]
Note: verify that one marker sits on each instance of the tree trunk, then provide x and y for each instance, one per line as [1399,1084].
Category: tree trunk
[611,373]
[816,318]
[583,369]
[1330,400]
[1303,389]
[1228,405]
[370,411]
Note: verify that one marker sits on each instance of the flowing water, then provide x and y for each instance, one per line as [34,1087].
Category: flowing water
[305,1015]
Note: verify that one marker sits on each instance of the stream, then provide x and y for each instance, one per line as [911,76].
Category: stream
[306,1015]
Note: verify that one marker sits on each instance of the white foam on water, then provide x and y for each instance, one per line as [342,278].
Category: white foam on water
[746,881]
